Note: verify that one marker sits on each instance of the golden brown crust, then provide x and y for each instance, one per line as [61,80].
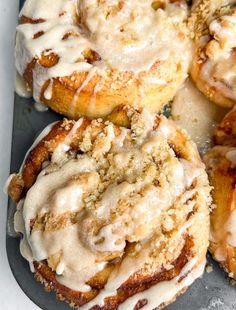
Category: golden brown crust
[119,89]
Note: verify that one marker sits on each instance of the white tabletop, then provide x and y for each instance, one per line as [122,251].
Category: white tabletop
[11,296]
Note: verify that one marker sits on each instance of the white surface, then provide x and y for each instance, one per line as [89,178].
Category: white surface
[11,296]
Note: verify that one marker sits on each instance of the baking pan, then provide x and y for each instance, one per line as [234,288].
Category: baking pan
[211,292]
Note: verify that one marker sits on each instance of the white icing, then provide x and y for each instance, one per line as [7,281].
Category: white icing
[93,98]
[155,81]
[133,30]
[166,290]
[37,9]
[59,152]
[62,148]
[21,88]
[224,30]
[40,107]
[19,227]
[221,75]
[67,240]
[42,135]
[161,292]
[128,267]
[48,91]
[35,202]
[119,143]
[90,75]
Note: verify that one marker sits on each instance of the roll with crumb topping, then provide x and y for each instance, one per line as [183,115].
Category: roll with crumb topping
[114,216]
[221,166]
[84,58]
[213,24]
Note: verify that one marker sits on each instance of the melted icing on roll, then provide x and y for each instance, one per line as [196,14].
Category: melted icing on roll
[163,292]
[123,35]
[125,187]
[21,88]
[220,69]
[226,235]
[221,163]
[40,107]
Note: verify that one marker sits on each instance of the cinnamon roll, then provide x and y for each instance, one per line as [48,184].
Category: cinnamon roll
[84,58]
[213,68]
[114,216]
[221,165]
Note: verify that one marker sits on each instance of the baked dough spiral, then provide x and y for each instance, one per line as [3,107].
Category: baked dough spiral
[84,58]
[114,216]
[221,166]
[213,69]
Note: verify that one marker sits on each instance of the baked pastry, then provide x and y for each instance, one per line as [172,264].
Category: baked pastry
[221,166]
[84,58]
[113,215]
[213,24]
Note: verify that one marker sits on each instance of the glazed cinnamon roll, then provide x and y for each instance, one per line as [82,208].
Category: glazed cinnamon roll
[84,58]
[221,165]
[213,68]
[114,216]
